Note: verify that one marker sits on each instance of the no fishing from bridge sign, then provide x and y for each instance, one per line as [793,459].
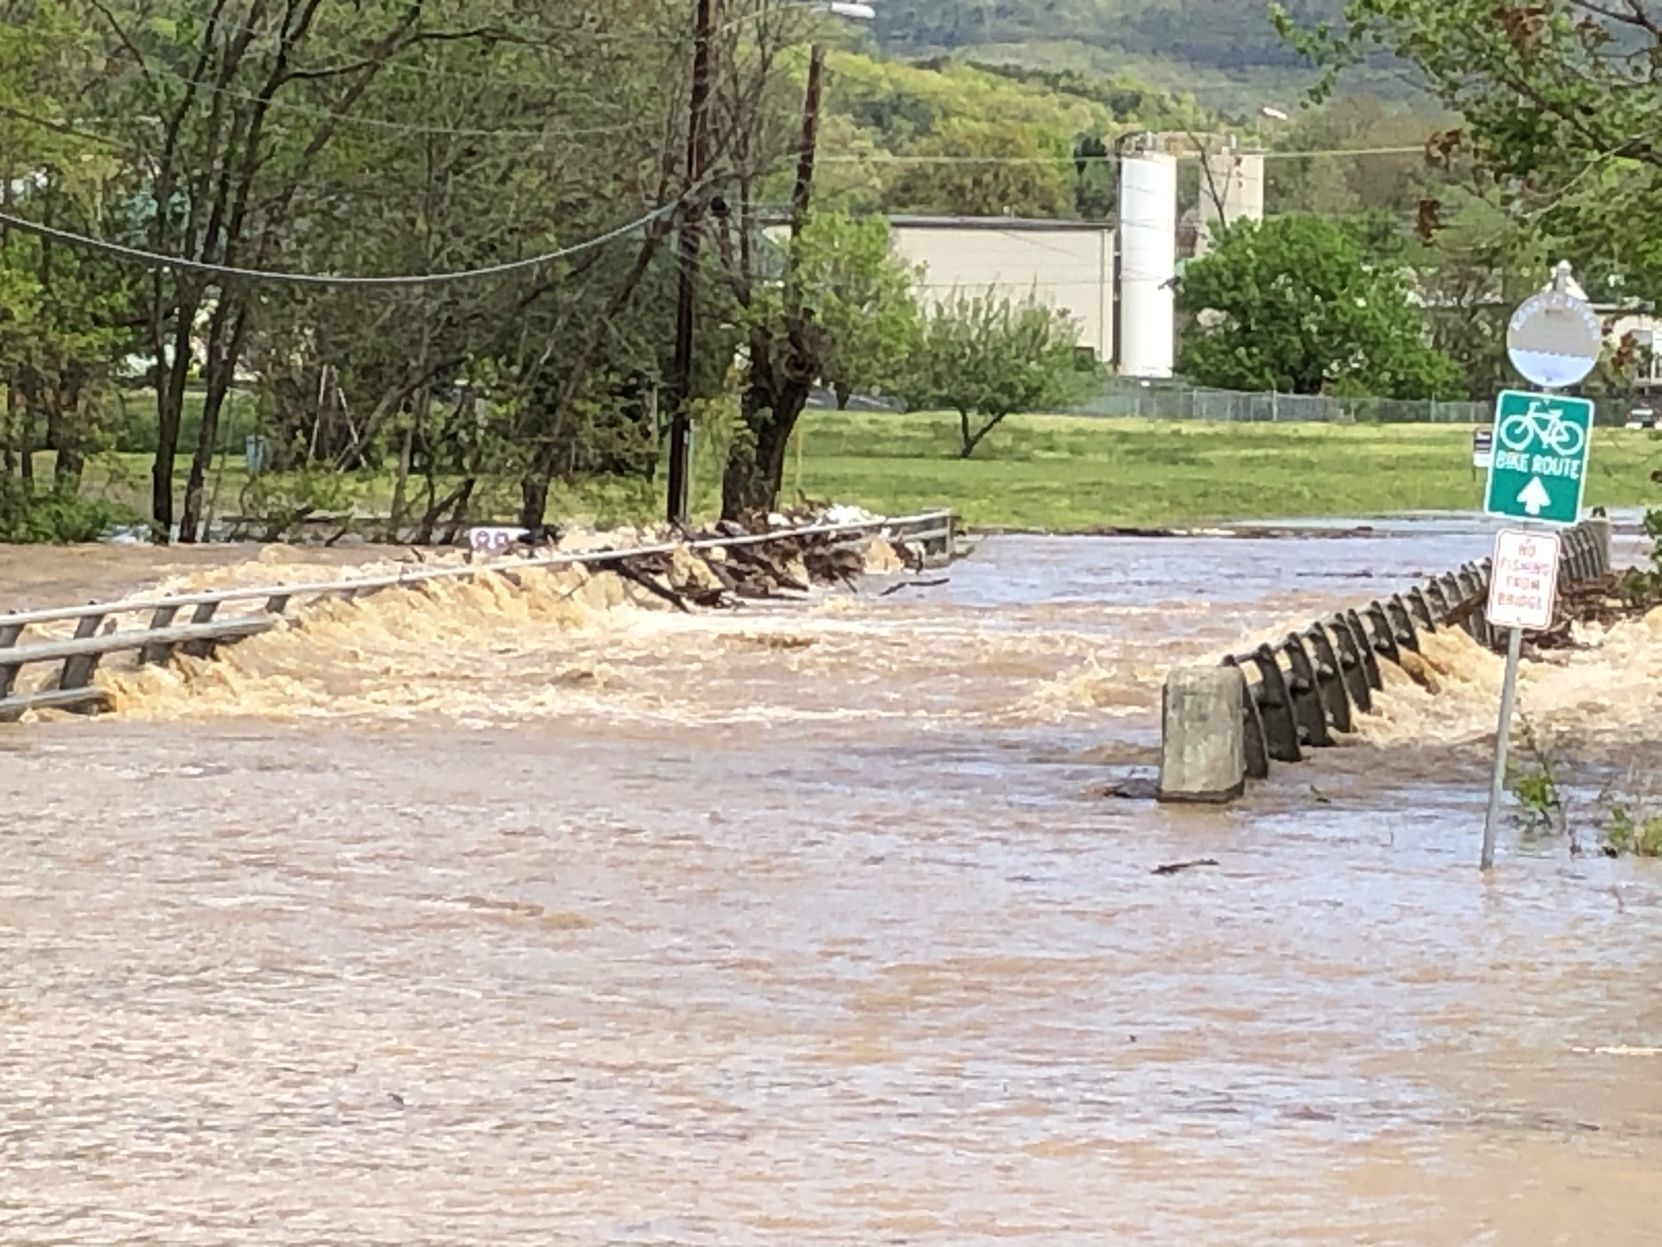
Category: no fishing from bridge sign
[1539,470]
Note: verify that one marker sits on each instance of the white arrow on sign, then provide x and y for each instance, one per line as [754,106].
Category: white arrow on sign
[1535,497]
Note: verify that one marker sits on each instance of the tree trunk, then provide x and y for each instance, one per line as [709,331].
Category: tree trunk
[972,441]
[533,504]
[459,517]
[224,348]
[66,474]
[751,484]
[170,406]
[780,383]
[401,483]
[429,521]
[63,437]
[24,435]
[8,438]
[844,392]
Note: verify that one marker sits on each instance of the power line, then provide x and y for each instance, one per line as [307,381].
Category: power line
[882,158]
[676,39]
[154,260]
[484,33]
[397,127]
[62,127]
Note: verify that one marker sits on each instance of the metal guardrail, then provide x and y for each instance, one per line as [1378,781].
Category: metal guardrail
[1314,684]
[157,640]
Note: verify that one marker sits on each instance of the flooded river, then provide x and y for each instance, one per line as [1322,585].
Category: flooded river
[496,915]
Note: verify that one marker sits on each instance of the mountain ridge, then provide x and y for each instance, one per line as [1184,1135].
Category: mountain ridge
[1226,53]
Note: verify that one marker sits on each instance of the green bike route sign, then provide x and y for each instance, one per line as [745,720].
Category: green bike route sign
[1539,470]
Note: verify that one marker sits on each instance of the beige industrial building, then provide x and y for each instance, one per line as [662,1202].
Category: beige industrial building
[1062,264]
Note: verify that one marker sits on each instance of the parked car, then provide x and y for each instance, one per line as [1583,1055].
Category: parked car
[1643,418]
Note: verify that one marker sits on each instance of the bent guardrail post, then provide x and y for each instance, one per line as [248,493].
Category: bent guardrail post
[1419,601]
[154,655]
[1353,665]
[205,647]
[9,634]
[1252,723]
[1203,753]
[1308,711]
[1275,707]
[78,668]
[1330,679]
[1599,533]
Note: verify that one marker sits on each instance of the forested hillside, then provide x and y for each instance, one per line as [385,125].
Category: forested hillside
[1225,51]
[905,137]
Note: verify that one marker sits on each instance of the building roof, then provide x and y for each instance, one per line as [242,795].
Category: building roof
[774,219]
[1026,224]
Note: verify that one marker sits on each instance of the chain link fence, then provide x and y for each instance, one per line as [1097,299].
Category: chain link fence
[1169,400]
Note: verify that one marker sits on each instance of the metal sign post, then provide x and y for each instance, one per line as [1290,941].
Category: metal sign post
[1523,587]
[1538,474]
[1483,449]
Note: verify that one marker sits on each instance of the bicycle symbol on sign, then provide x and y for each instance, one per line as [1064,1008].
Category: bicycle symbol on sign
[1544,426]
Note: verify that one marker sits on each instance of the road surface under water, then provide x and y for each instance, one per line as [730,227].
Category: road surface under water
[523,916]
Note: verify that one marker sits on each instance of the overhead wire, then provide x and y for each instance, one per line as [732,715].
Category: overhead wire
[400,127]
[680,38]
[882,158]
[156,261]
[501,34]
[62,127]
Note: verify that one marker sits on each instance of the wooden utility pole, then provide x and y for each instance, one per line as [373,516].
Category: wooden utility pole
[802,195]
[692,237]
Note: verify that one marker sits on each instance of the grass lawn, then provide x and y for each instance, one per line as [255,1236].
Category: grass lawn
[1076,473]
[1052,472]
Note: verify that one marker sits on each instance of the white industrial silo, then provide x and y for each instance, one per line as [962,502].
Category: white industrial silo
[1148,264]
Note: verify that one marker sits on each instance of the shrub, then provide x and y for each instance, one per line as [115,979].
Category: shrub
[56,518]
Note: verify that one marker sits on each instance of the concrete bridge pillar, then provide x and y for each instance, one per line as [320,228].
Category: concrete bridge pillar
[1203,737]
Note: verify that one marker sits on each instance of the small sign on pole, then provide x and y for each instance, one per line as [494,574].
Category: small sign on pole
[1483,447]
[1538,470]
[1523,585]
[1555,338]
[1523,591]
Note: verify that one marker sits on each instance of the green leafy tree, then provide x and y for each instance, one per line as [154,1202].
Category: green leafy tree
[988,168]
[987,359]
[1558,100]
[19,310]
[1296,304]
[1384,179]
[862,300]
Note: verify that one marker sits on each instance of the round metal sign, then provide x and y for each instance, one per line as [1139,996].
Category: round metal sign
[1554,339]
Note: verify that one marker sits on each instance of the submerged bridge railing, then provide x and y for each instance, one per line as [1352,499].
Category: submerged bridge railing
[158,626]
[1224,726]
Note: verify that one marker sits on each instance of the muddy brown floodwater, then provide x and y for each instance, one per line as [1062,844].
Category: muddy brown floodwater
[524,916]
